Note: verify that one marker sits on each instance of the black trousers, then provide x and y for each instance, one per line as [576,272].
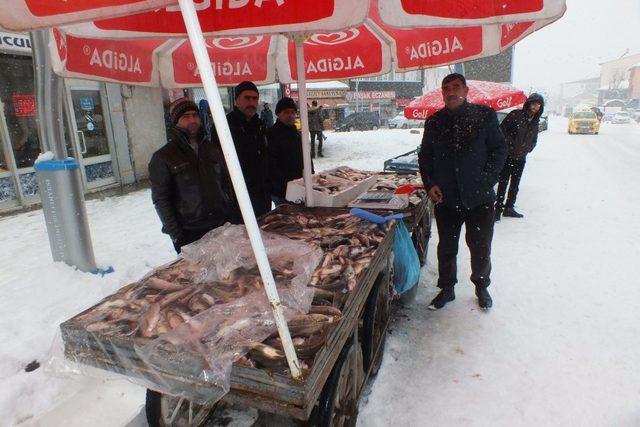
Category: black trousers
[188,236]
[510,175]
[316,134]
[479,233]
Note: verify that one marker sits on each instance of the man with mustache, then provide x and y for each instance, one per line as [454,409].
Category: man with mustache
[460,160]
[248,133]
[188,177]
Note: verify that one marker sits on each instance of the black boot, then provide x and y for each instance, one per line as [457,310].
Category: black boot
[510,212]
[320,154]
[446,295]
[484,299]
[497,214]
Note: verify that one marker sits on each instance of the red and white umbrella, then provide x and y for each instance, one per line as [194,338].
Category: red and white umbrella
[159,19]
[495,95]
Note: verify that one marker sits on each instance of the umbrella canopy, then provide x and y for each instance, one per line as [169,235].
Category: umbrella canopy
[495,95]
[366,50]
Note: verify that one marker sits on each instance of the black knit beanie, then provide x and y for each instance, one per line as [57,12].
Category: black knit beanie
[245,85]
[179,107]
[285,103]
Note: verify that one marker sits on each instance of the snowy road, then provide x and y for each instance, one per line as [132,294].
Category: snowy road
[560,346]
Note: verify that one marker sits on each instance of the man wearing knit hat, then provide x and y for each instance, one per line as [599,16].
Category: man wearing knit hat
[285,150]
[189,184]
[248,133]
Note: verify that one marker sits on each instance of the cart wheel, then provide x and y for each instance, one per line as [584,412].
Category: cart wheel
[374,333]
[164,410]
[420,239]
[338,404]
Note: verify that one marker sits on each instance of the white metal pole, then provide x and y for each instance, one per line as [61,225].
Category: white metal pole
[231,157]
[304,118]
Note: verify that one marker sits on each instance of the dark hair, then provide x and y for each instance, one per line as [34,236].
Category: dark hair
[454,76]
[314,102]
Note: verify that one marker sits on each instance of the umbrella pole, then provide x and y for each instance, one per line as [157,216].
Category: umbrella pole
[231,157]
[304,117]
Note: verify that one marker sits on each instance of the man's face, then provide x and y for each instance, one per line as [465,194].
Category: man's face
[454,93]
[534,107]
[247,102]
[190,121]
[287,116]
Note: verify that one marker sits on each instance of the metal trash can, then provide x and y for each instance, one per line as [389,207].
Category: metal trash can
[60,189]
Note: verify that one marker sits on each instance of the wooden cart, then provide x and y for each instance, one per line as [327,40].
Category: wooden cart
[329,393]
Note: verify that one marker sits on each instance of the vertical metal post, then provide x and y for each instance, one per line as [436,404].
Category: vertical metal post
[304,118]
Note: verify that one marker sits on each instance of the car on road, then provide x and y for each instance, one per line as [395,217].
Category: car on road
[584,122]
[401,122]
[621,117]
[361,120]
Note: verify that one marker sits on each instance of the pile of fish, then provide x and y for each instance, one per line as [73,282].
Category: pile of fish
[171,296]
[392,181]
[349,174]
[328,185]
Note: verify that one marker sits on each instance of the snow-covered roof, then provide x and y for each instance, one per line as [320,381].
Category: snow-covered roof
[333,84]
[624,84]
[635,65]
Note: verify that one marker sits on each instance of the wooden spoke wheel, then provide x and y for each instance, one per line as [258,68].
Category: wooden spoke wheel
[164,410]
[338,404]
[376,316]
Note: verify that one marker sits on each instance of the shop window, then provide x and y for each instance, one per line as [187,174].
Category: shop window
[18,97]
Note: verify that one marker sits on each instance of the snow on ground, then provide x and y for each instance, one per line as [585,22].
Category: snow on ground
[560,346]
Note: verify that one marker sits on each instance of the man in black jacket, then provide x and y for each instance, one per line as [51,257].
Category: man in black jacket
[187,176]
[520,129]
[248,133]
[460,160]
[285,150]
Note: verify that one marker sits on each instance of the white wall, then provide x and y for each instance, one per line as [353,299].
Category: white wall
[144,116]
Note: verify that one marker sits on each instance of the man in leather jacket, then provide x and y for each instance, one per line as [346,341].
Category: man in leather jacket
[188,178]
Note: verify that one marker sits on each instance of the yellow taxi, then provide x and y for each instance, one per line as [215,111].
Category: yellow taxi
[584,122]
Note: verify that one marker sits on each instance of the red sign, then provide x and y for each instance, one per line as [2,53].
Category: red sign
[340,55]
[234,59]
[119,60]
[471,9]
[48,8]
[511,32]
[221,15]
[24,105]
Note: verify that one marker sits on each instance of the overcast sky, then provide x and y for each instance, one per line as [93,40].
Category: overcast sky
[590,32]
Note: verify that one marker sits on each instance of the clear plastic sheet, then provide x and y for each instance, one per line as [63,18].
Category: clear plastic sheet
[179,331]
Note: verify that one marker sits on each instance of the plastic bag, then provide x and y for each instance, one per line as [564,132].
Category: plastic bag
[178,331]
[406,264]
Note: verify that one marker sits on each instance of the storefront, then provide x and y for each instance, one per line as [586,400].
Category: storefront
[330,96]
[383,102]
[89,132]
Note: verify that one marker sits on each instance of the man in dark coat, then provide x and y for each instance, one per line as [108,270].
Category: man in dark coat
[248,133]
[267,115]
[520,129]
[187,176]
[460,159]
[315,128]
[285,150]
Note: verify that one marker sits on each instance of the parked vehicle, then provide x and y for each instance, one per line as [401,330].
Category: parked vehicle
[362,120]
[401,122]
[621,117]
[584,122]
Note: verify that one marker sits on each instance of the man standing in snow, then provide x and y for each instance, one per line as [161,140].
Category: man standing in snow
[460,159]
[187,177]
[285,150]
[267,115]
[248,133]
[315,128]
[520,129]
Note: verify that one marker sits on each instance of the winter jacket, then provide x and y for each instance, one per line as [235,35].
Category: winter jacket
[463,152]
[267,117]
[315,119]
[520,130]
[251,145]
[285,157]
[187,189]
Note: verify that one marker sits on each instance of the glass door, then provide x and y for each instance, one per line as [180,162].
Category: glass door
[91,132]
